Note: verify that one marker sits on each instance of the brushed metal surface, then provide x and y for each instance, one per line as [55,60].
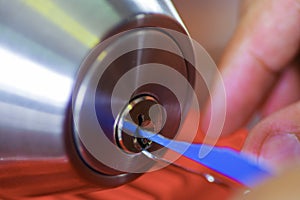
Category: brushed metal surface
[42,45]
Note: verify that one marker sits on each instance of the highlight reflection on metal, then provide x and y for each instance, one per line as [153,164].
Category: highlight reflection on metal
[47,86]
[138,110]
[42,46]
[131,67]
[57,16]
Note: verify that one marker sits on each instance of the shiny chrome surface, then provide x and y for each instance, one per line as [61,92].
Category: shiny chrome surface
[42,46]
[138,111]
[129,67]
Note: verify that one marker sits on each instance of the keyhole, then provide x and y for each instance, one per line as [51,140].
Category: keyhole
[141,119]
[144,143]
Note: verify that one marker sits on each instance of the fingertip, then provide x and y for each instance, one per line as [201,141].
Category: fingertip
[279,150]
[275,140]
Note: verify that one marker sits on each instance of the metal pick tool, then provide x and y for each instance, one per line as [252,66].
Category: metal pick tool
[225,161]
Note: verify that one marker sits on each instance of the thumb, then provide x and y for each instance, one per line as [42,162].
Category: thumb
[275,140]
[284,186]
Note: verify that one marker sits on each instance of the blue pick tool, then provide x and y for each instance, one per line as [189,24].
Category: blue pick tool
[225,161]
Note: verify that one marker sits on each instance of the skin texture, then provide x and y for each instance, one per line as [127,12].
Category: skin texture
[260,70]
[261,74]
[285,186]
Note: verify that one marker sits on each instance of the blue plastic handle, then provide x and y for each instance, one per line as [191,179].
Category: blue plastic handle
[225,161]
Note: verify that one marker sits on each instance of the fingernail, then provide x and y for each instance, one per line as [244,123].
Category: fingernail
[280,150]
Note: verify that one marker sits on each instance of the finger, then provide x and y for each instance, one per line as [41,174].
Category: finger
[285,186]
[266,40]
[285,92]
[275,140]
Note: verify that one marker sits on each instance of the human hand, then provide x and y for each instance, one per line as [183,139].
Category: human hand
[284,186]
[261,74]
